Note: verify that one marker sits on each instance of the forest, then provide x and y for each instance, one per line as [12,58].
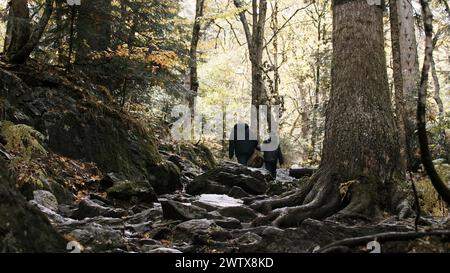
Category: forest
[224,126]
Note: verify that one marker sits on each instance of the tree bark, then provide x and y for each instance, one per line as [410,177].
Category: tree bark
[194,85]
[18,27]
[437,89]
[24,53]
[406,79]
[59,13]
[360,150]
[255,42]
[360,138]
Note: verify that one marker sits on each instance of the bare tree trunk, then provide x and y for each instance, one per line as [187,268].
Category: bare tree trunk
[437,89]
[361,144]
[317,76]
[194,85]
[406,79]
[24,53]
[18,27]
[255,42]
[59,30]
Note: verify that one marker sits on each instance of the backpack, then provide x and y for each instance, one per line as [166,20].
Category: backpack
[256,160]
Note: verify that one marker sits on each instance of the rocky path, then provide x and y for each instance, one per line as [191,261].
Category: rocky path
[211,215]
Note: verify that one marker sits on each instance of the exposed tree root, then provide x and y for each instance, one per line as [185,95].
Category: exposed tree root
[324,196]
[381,237]
[294,199]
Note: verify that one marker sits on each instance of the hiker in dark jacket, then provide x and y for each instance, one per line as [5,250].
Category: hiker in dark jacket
[272,155]
[242,143]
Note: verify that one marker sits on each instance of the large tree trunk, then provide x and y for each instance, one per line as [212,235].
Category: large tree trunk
[360,150]
[22,55]
[93,28]
[406,79]
[18,27]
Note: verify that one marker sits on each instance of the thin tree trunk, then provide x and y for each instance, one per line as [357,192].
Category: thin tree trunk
[406,79]
[255,42]
[60,31]
[437,89]
[194,85]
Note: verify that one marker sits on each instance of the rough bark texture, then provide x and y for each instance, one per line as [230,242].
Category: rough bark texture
[18,27]
[406,79]
[360,138]
[93,28]
[360,154]
[23,54]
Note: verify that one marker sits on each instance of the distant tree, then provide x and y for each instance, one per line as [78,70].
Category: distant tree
[193,74]
[254,33]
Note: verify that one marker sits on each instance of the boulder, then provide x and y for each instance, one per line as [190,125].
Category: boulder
[187,231]
[223,178]
[81,121]
[238,192]
[174,210]
[88,208]
[46,199]
[228,223]
[242,213]
[133,191]
[217,201]
[96,238]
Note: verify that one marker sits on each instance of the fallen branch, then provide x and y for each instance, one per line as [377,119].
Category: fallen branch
[382,237]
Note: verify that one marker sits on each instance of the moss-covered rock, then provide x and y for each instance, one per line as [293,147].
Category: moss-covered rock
[133,191]
[22,227]
[81,122]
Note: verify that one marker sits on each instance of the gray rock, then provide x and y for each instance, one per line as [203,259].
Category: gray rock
[144,216]
[165,250]
[174,210]
[133,191]
[242,213]
[187,231]
[228,223]
[46,199]
[223,178]
[95,238]
[196,225]
[89,208]
[238,192]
